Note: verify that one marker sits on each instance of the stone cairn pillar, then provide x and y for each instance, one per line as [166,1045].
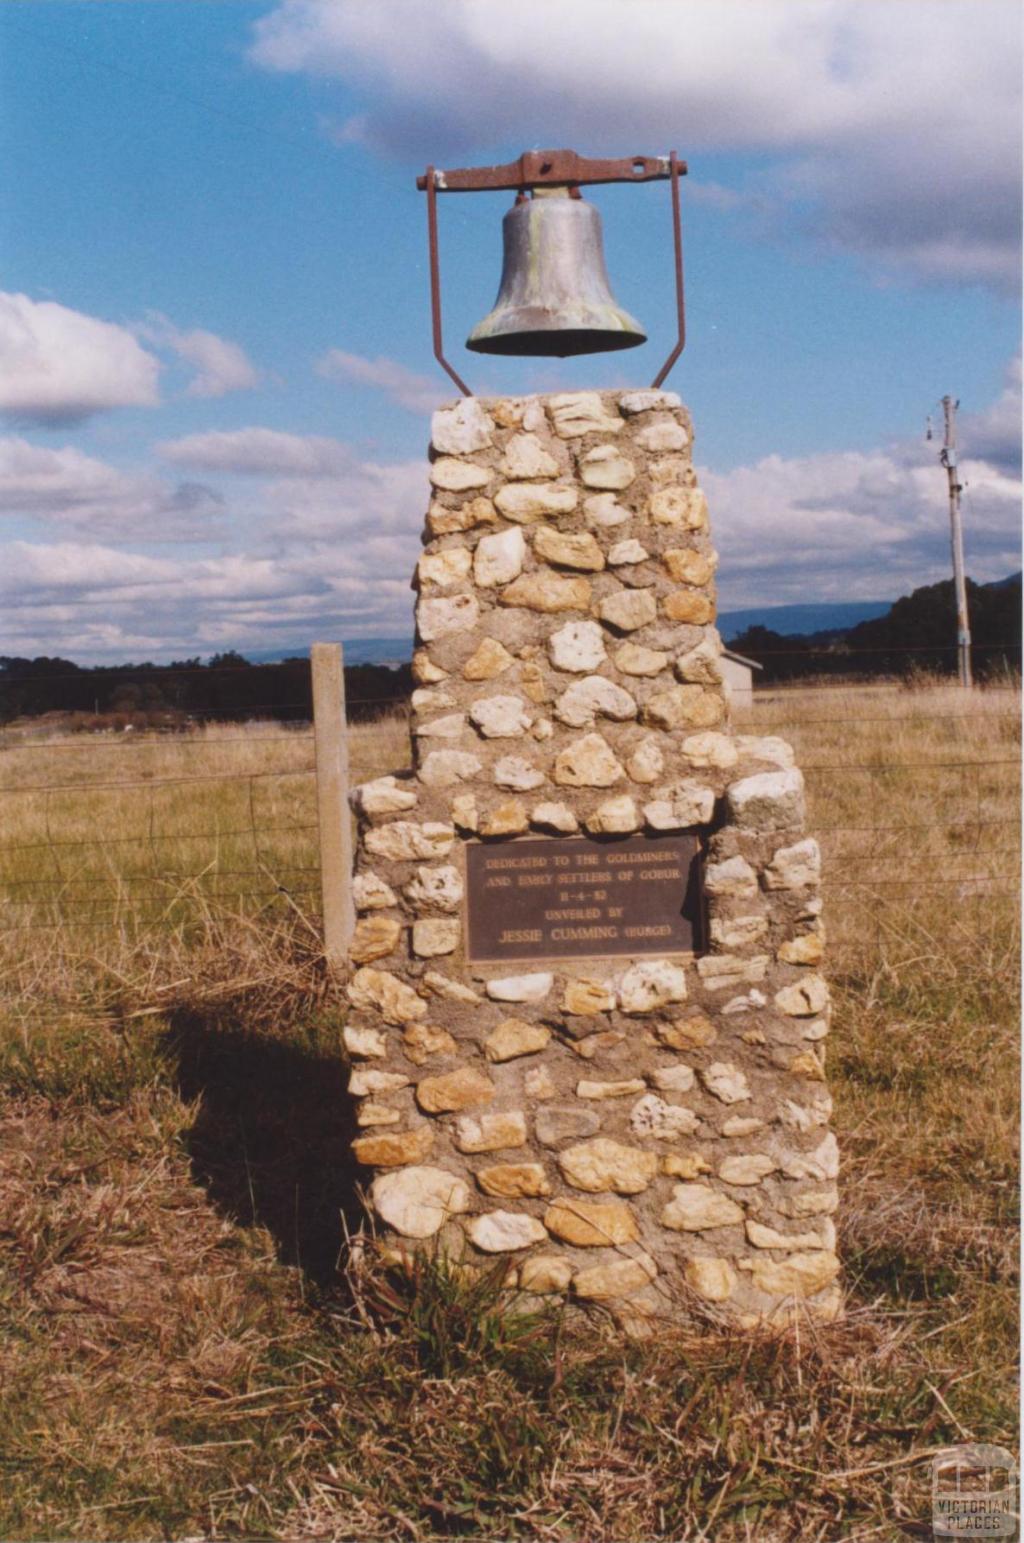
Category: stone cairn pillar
[645,1128]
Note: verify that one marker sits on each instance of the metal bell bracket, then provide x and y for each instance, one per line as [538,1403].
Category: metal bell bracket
[551,168]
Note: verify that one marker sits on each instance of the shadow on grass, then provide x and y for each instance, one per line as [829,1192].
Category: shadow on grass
[271,1139]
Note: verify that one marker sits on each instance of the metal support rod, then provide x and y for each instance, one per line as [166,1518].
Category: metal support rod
[956,532]
[435,282]
[677,239]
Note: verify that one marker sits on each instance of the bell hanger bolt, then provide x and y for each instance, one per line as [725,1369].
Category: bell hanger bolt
[554,298]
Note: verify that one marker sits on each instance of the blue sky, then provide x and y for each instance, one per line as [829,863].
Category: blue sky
[215,365]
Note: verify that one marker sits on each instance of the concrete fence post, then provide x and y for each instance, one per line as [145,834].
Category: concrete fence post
[335,829]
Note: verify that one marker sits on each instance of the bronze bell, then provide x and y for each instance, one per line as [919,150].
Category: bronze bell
[554,297]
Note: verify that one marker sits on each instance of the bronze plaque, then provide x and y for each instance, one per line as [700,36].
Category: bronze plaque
[579,897]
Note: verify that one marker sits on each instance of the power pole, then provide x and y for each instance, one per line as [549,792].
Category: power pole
[956,531]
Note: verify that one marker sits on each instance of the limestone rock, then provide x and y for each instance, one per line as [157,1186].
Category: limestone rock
[449,566]
[371,1114]
[498,559]
[805,999]
[587,763]
[581,412]
[686,1033]
[737,1125]
[426,700]
[514,1038]
[605,467]
[594,697]
[696,1207]
[578,647]
[585,998]
[513,1180]
[521,988]
[643,401]
[767,1237]
[634,659]
[437,889]
[395,1001]
[514,771]
[702,666]
[503,1232]
[547,592]
[662,432]
[601,1164]
[819,1164]
[446,768]
[454,476]
[801,1275]
[565,1122]
[451,726]
[370,893]
[652,1118]
[678,1078]
[619,1279]
[685,1165]
[462,1089]
[682,706]
[551,816]
[365,1080]
[569,551]
[373,938]
[449,522]
[734,877]
[537,1083]
[671,471]
[396,1149]
[591,1223]
[421,1041]
[737,931]
[418,1201]
[407,841]
[766,748]
[604,511]
[679,806]
[710,749]
[628,609]
[650,985]
[526,457]
[440,617]
[687,567]
[385,795]
[646,762]
[525,502]
[794,867]
[364,1043]
[600,1090]
[724,1081]
[768,800]
[435,935]
[712,1279]
[506,819]
[461,429]
[444,986]
[624,553]
[806,948]
[724,972]
[689,606]
[545,1274]
[811,1202]
[685,507]
[614,817]
[491,658]
[490,1132]
[746,1170]
[500,717]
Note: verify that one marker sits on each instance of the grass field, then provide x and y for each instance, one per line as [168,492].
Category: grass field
[187,1348]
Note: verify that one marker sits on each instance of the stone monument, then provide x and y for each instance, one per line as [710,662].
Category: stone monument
[587,1021]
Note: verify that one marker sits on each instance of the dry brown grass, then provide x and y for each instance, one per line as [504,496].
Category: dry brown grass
[179,1354]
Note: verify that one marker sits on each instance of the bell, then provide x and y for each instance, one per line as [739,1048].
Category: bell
[554,297]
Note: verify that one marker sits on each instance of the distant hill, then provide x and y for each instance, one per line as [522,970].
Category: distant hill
[801,620]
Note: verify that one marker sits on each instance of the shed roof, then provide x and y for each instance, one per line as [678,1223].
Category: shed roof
[730,653]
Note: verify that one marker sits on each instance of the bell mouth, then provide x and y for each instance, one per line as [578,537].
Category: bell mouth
[556,343]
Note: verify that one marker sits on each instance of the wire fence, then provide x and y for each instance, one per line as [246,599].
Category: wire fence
[201,819]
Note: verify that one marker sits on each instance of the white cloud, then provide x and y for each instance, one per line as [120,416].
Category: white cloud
[59,366]
[259,452]
[221,366]
[418,393]
[64,487]
[893,127]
